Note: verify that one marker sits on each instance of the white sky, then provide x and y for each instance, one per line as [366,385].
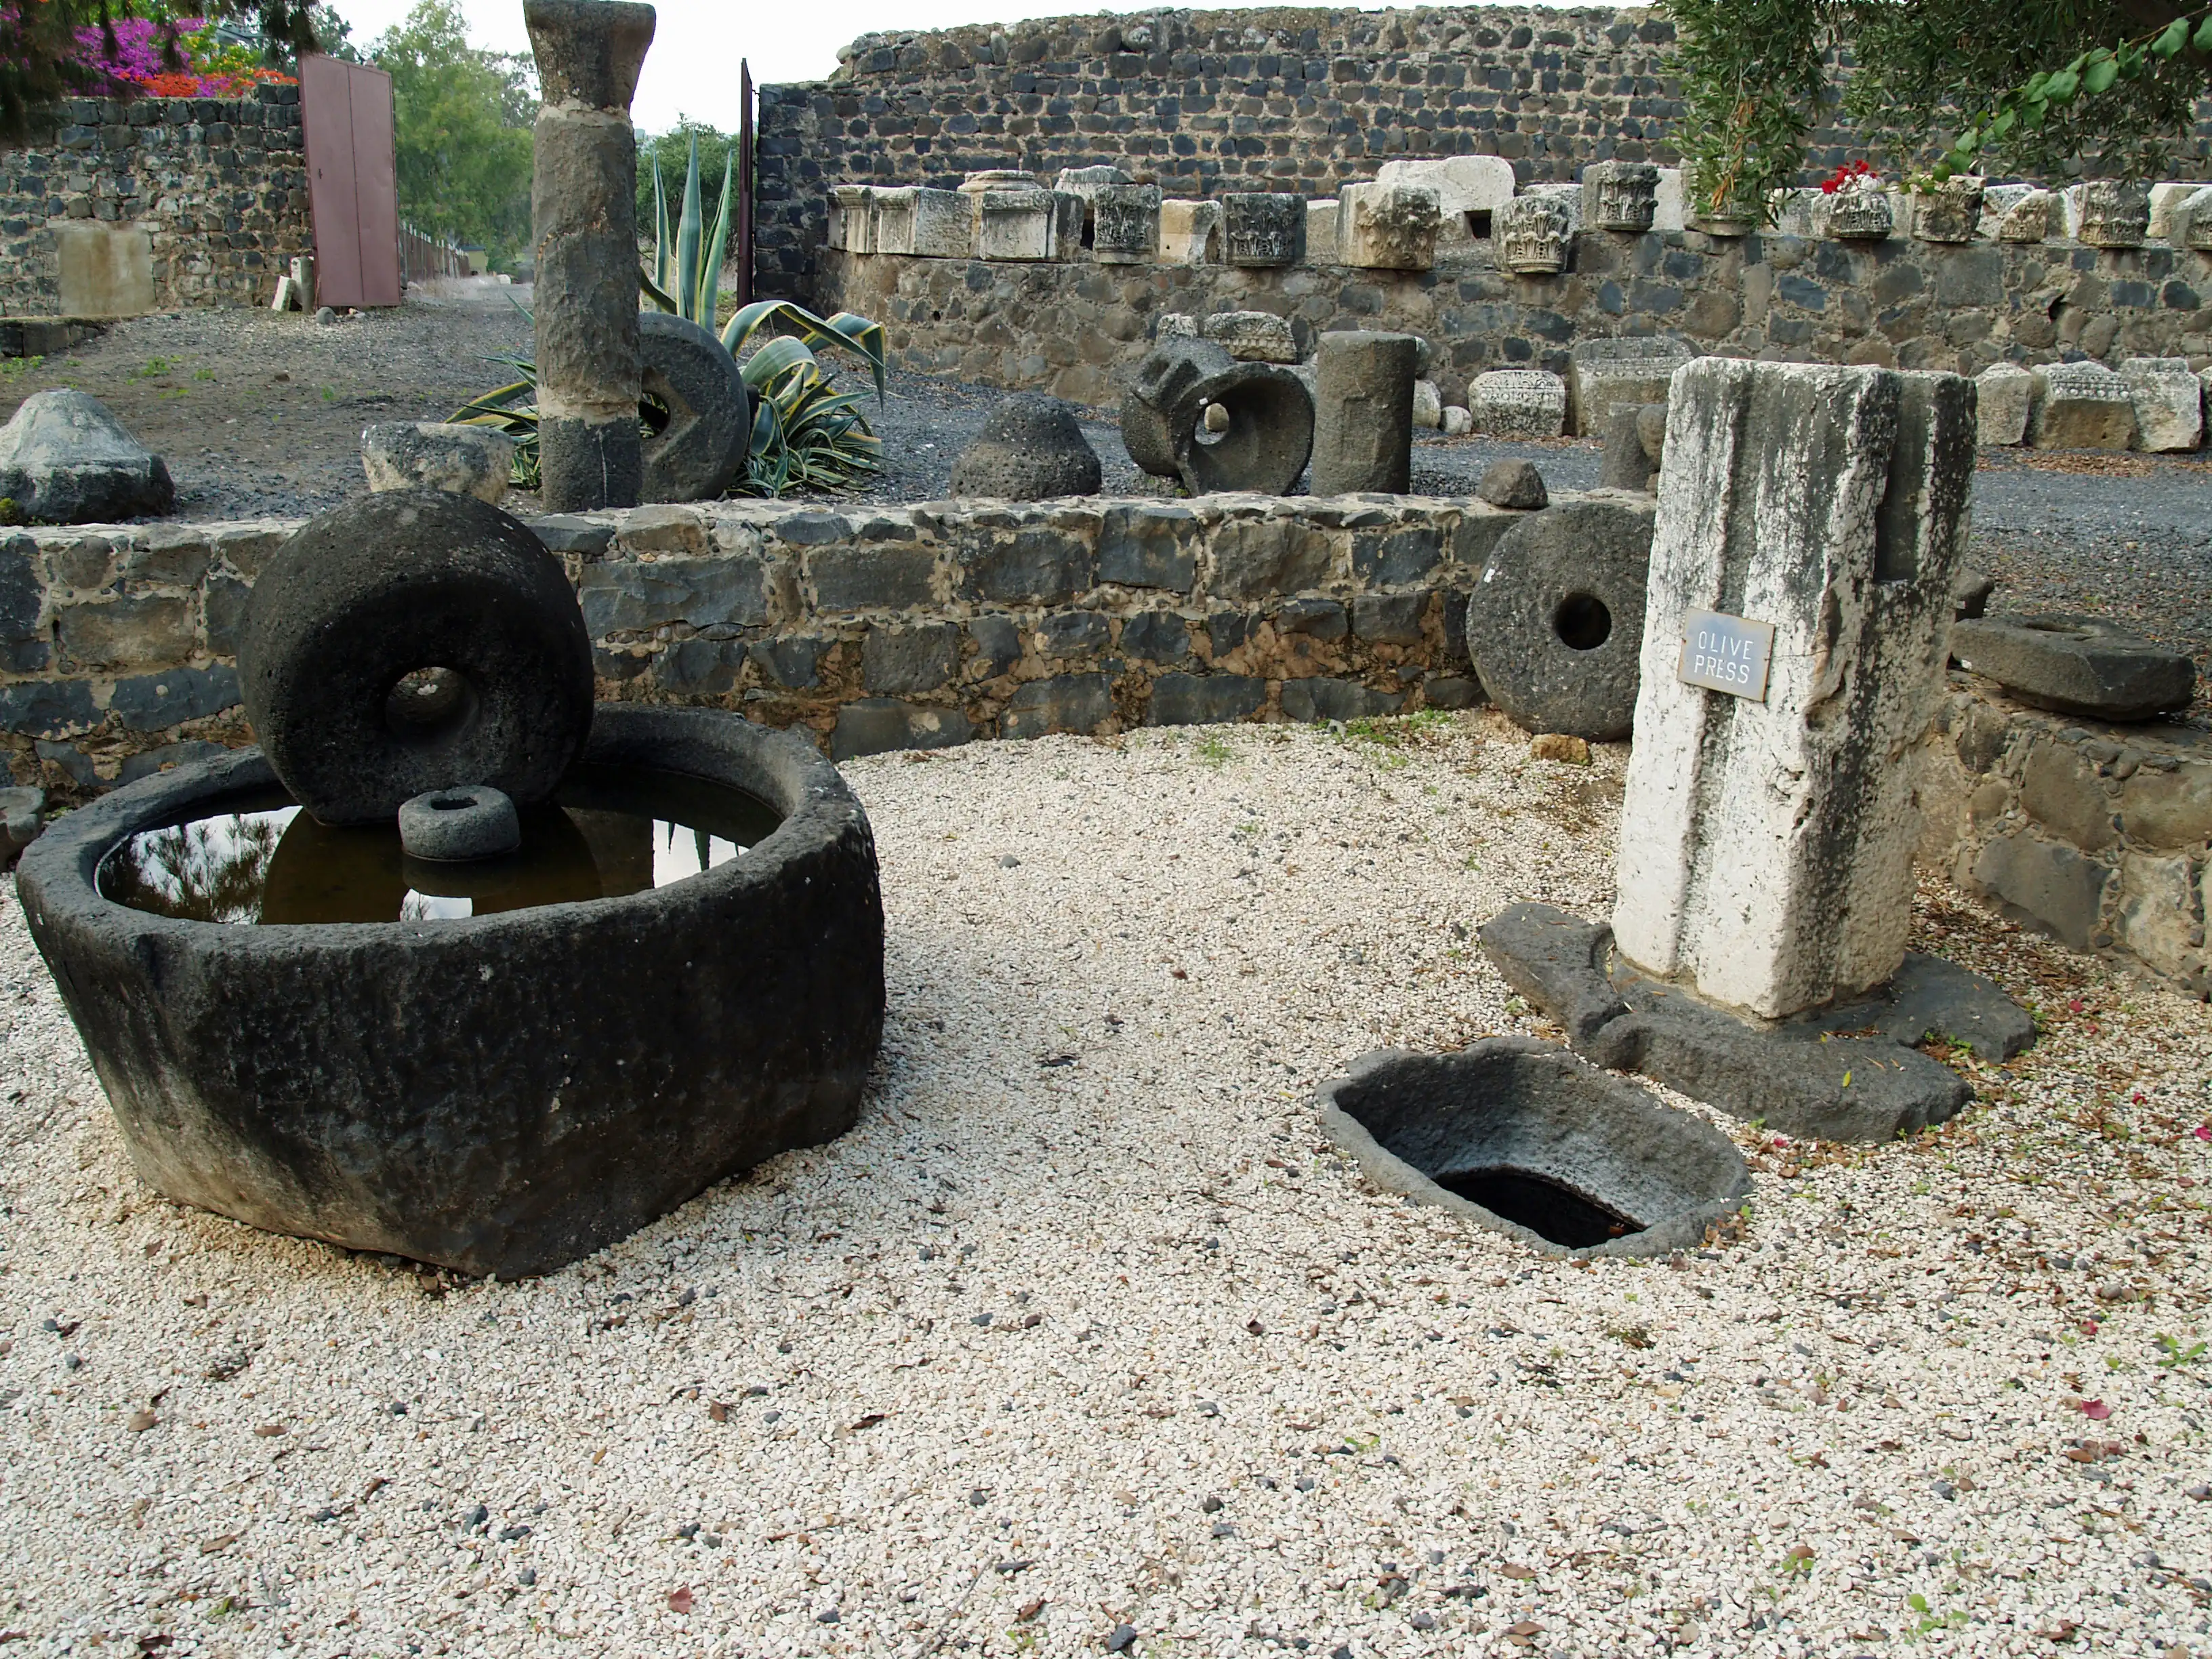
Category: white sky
[692,69]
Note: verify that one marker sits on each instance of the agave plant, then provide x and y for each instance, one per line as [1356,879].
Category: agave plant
[687,271]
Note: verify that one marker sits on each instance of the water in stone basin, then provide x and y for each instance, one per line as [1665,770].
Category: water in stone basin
[258,858]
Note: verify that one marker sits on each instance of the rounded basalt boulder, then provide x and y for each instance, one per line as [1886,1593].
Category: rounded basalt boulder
[695,391]
[409,640]
[1030,449]
[1520,1136]
[503,1093]
[1555,622]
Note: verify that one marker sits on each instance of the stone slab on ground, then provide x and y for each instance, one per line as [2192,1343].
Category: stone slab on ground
[2168,403]
[2080,406]
[2075,665]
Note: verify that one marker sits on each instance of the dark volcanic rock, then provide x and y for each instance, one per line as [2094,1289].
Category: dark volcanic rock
[1031,449]
[710,414]
[2075,665]
[64,459]
[501,1095]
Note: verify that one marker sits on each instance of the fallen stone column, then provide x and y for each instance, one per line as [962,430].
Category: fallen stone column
[583,230]
[1766,843]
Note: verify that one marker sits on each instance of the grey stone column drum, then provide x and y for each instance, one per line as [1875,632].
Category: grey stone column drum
[1363,413]
[584,231]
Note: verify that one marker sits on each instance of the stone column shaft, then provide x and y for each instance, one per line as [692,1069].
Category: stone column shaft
[1766,847]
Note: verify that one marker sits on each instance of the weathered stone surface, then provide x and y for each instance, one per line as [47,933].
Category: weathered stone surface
[394,583]
[1603,374]
[1858,215]
[2075,665]
[1086,183]
[1555,622]
[898,661]
[997,644]
[2080,406]
[941,224]
[1126,224]
[1015,224]
[1620,196]
[1204,699]
[568,1073]
[1149,547]
[21,818]
[1066,702]
[1324,232]
[1252,336]
[469,460]
[1631,456]
[65,459]
[1031,448]
[153,703]
[1073,634]
[1387,227]
[2109,213]
[1324,699]
[2003,395]
[1255,558]
[851,224]
[2027,217]
[2168,402]
[892,219]
[709,433]
[877,725]
[1766,847]
[1456,421]
[131,632]
[458,824]
[1389,619]
[1190,232]
[1513,483]
[626,597]
[2161,912]
[1469,190]
[2061,791]
[1259,440]
[1428,405]
[1034,565]
[2169,809]
[1848,1073]
[1411,1121]
[1157,637]
[1363,413]
[2050,885]
[47,708]
[1260,228]
[1534,235]
[1518,402]
[1950,212]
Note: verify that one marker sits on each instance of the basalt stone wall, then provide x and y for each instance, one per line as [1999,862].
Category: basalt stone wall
[219,186]
[1067,328]
[874,629]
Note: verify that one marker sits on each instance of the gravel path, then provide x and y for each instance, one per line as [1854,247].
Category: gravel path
[1085,1325]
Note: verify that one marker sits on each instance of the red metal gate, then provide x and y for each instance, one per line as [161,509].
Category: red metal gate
[352,181]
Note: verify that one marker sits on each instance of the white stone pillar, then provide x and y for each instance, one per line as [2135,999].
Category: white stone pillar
[1766,847]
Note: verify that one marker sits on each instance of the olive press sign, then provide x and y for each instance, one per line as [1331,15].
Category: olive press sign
[1726,653]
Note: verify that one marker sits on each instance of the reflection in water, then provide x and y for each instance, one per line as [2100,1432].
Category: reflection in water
[260,859]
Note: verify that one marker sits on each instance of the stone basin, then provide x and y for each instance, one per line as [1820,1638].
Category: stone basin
[500,1094]
[1521,1137]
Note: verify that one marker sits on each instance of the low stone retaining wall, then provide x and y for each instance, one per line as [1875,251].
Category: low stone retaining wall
[2098,834]
[875,629]
[1066,328]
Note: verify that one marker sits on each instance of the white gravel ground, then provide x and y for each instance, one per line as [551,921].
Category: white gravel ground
[1085,1325]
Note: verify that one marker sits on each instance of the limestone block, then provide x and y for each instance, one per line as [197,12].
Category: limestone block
[1569,197]
[2028,219]
[1534,235]
[1857,216]
[851,224]
[1252,336]
[1015,224]
[2168,401]
[1604,374]
[1469,190]
[1387,227]
[1668,211]
[1428,405]
[943,225]
[2161,914]
[468,460]
[1950,212]
[1086,183]
[2005,391]
[1622,196]
[2080,406]
[2108,213]
[1518,402]
[2165,198]
[2191,223]
[105,270]
[1190,232]
[998,179]
[1798,212]
[1322,219]
[891,215]
[1766,847]
[1176,324]
[1261,229]
[1125,224]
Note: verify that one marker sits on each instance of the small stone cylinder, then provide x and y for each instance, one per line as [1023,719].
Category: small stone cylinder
[1363,413]
[584,231]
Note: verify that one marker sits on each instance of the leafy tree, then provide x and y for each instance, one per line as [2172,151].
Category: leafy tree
[2040,88]
[46,55]
[463,117]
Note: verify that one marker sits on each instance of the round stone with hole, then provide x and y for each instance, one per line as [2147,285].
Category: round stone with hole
[1555,624]
[453,826]
[411,641]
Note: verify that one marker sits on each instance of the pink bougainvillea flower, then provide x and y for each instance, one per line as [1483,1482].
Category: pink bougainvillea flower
[2203,1132]
[2095,1410]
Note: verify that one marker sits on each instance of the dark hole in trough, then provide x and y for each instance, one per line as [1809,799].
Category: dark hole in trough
[1542,1205]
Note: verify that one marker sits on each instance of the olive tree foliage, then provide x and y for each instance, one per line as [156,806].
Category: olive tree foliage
[2035,88]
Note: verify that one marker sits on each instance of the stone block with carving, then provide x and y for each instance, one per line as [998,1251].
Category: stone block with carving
[2164,199]
[1602,374]
[1950,212]
[2019,213]
[1856,214]
[1621,196]
[2005,394]
[851,223]
[1261,229]
[1387,227]
[2108,213]
[1017,224]
[1518,402]
[999,178]
[891,214]
[944,225]
[1125,224]
[2189,222]
[1251,337]
[1190,232]
[1323,220]
[1469,189]
[1532,235]
[1766,845]
[2080,406]
[2168,401]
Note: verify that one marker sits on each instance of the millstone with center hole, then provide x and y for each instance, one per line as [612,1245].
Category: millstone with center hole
[1520,1136]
